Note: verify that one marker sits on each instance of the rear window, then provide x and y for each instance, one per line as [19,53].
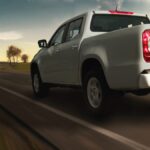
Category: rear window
[107,23]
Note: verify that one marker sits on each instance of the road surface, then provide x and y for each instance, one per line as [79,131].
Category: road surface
[16,136]
[61,120]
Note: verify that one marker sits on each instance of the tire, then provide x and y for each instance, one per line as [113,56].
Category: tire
[39,88]
[95,93]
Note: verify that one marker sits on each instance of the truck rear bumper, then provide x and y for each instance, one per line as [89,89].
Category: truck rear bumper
[144,81]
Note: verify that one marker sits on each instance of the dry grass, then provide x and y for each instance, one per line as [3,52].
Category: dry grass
[15,67]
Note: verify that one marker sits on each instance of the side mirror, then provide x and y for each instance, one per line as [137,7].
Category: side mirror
[42,44]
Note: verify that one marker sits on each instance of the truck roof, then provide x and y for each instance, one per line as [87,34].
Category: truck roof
[113,12]
[117,12]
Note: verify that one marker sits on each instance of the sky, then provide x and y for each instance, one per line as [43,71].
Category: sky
[24,22]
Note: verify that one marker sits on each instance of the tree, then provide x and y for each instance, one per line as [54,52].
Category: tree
[25,58]
[10,52]
[18,53]
[9,55]
[13,53]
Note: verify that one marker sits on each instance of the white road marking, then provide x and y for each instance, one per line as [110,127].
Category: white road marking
[128,142]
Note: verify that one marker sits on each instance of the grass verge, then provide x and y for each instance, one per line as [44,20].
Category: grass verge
[15,67]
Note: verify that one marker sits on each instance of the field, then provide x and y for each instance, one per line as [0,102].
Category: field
[15,67]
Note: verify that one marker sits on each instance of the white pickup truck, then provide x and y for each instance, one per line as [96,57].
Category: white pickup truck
[100,51]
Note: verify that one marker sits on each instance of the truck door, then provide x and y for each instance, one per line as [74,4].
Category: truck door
[69,53]
[50,59]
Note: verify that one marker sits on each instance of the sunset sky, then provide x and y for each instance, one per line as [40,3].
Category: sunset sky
[24,22]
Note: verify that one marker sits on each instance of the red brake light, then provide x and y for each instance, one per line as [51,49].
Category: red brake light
[121,12]
[146,45]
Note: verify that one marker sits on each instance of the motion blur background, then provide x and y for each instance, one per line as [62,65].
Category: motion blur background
[24,22]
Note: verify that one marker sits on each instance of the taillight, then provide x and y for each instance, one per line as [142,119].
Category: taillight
[146,45]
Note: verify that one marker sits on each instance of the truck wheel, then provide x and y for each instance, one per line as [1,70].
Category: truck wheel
[39,88]
[95,93]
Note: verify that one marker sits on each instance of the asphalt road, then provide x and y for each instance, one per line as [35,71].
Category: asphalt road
[14,135]
[61,120]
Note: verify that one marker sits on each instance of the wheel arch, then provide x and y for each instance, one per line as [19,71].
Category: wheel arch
[92,63]
[33,67]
